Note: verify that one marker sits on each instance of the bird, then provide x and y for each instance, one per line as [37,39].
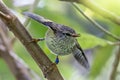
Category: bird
[61,40]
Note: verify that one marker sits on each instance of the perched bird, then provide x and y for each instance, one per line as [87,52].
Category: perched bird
[61,39]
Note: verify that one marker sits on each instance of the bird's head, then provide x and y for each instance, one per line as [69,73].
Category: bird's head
[64,30]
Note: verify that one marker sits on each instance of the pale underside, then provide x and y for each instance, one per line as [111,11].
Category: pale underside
[60,45]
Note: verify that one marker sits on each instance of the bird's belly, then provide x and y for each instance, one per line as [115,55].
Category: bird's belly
[60,46]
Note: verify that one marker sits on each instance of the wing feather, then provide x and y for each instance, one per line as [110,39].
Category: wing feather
[80,56]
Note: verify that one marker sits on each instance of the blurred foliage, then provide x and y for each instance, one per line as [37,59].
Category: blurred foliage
[89,41]
[91,38]
[100,60]
[9,3]
[5,73]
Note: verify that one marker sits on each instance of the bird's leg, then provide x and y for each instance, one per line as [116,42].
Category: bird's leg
[37,40]
[57,60]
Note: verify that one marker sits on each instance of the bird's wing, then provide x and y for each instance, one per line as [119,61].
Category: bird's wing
[80,56]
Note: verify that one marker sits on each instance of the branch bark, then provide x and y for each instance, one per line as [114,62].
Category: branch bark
[35,51]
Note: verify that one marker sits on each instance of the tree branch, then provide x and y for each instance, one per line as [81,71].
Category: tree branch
[18,69]
[31,9]
[33,48]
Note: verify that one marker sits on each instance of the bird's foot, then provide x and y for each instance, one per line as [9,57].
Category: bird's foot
[37,40]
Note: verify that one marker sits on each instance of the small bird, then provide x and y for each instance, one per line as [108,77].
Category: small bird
[61,39]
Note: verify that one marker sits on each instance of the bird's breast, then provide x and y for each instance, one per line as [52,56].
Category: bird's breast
[60,45]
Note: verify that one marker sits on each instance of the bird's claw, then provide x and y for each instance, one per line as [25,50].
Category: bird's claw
[36,40]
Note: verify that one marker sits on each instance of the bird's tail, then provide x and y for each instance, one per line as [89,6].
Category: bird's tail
[80,57]
[38,18]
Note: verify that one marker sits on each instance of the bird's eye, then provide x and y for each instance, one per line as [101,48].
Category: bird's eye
[67,34]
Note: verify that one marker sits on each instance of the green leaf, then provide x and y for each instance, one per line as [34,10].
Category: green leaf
[89,41]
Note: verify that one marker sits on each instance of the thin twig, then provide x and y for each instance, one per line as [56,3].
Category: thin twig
[113,43]
[33,6]
[96,24]
[115,65]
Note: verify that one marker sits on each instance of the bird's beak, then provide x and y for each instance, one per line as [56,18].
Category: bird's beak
[75,35]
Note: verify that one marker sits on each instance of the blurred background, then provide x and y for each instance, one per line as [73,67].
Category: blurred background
[94,42]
